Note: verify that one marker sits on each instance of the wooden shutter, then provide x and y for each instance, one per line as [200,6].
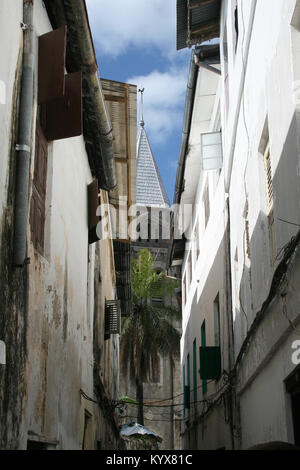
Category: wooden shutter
[270,202]
[93,203]
[269,179]
[62,117]
[51,70]
[112,323]
[39,186]
[59,95]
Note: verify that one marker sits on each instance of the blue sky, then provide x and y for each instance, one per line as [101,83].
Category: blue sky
[135,42]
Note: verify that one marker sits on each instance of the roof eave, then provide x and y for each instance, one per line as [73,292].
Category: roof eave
[197,22]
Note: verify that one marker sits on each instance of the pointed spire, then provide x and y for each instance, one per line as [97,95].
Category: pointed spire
[141,91]
[150,189]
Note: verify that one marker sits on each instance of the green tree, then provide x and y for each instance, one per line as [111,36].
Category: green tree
[148,331]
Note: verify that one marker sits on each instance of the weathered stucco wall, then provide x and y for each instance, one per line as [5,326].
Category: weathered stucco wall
[13,291]
[48,310]
[267,112]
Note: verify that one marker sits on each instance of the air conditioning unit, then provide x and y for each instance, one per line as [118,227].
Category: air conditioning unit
[112,320]
[212,152]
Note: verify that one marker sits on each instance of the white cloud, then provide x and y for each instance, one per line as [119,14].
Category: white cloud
[118,24]
[163,101]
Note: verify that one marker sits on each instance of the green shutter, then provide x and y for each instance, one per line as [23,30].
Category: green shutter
[203,344]
[195,370]
[210,363]
[188,380]
[187,392]
[188,371]
[184,396]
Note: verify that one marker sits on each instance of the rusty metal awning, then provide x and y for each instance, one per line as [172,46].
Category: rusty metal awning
[197,21]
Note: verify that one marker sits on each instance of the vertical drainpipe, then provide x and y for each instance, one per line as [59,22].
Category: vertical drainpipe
[23,147]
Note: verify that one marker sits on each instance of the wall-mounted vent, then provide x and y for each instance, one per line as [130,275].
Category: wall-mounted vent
[112,318]
[212,153]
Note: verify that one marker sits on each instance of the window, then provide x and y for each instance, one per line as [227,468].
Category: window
[270,201]
[217,321]
[225,67]
[93,203]
[236,26]
[184,290]
[203,344]
[184,392]
[155,369]
[206,205]
[195,370]
[212,153]
[292,384]
[112,320]
[87,441]
[295,37]
[247,234]
[189,268]
[188,366]
[197,241]
[39,445]
[39,187]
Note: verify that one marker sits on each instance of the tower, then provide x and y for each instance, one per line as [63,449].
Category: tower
[154,226]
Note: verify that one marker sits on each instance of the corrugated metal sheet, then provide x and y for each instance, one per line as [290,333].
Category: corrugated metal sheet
[189,20]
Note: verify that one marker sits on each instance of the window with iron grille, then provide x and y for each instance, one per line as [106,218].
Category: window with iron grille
[112,320]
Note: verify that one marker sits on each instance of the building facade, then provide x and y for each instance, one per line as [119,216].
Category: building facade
[240,265]
[59,371]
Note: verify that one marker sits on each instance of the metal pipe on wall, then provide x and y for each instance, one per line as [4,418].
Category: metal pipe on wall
[24,138]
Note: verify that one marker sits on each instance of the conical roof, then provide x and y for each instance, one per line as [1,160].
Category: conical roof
[150,189]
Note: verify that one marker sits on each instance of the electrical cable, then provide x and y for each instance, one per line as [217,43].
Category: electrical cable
[176,396]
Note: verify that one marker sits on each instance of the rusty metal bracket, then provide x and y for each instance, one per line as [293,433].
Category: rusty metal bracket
[23,148]
[26,27]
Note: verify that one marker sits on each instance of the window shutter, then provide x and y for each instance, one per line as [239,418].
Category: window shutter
[187,402]
[210,363]
[93,203]
[212,153]
[269,180]
[112,323]
[51,68]
[62,117]
[59,95]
